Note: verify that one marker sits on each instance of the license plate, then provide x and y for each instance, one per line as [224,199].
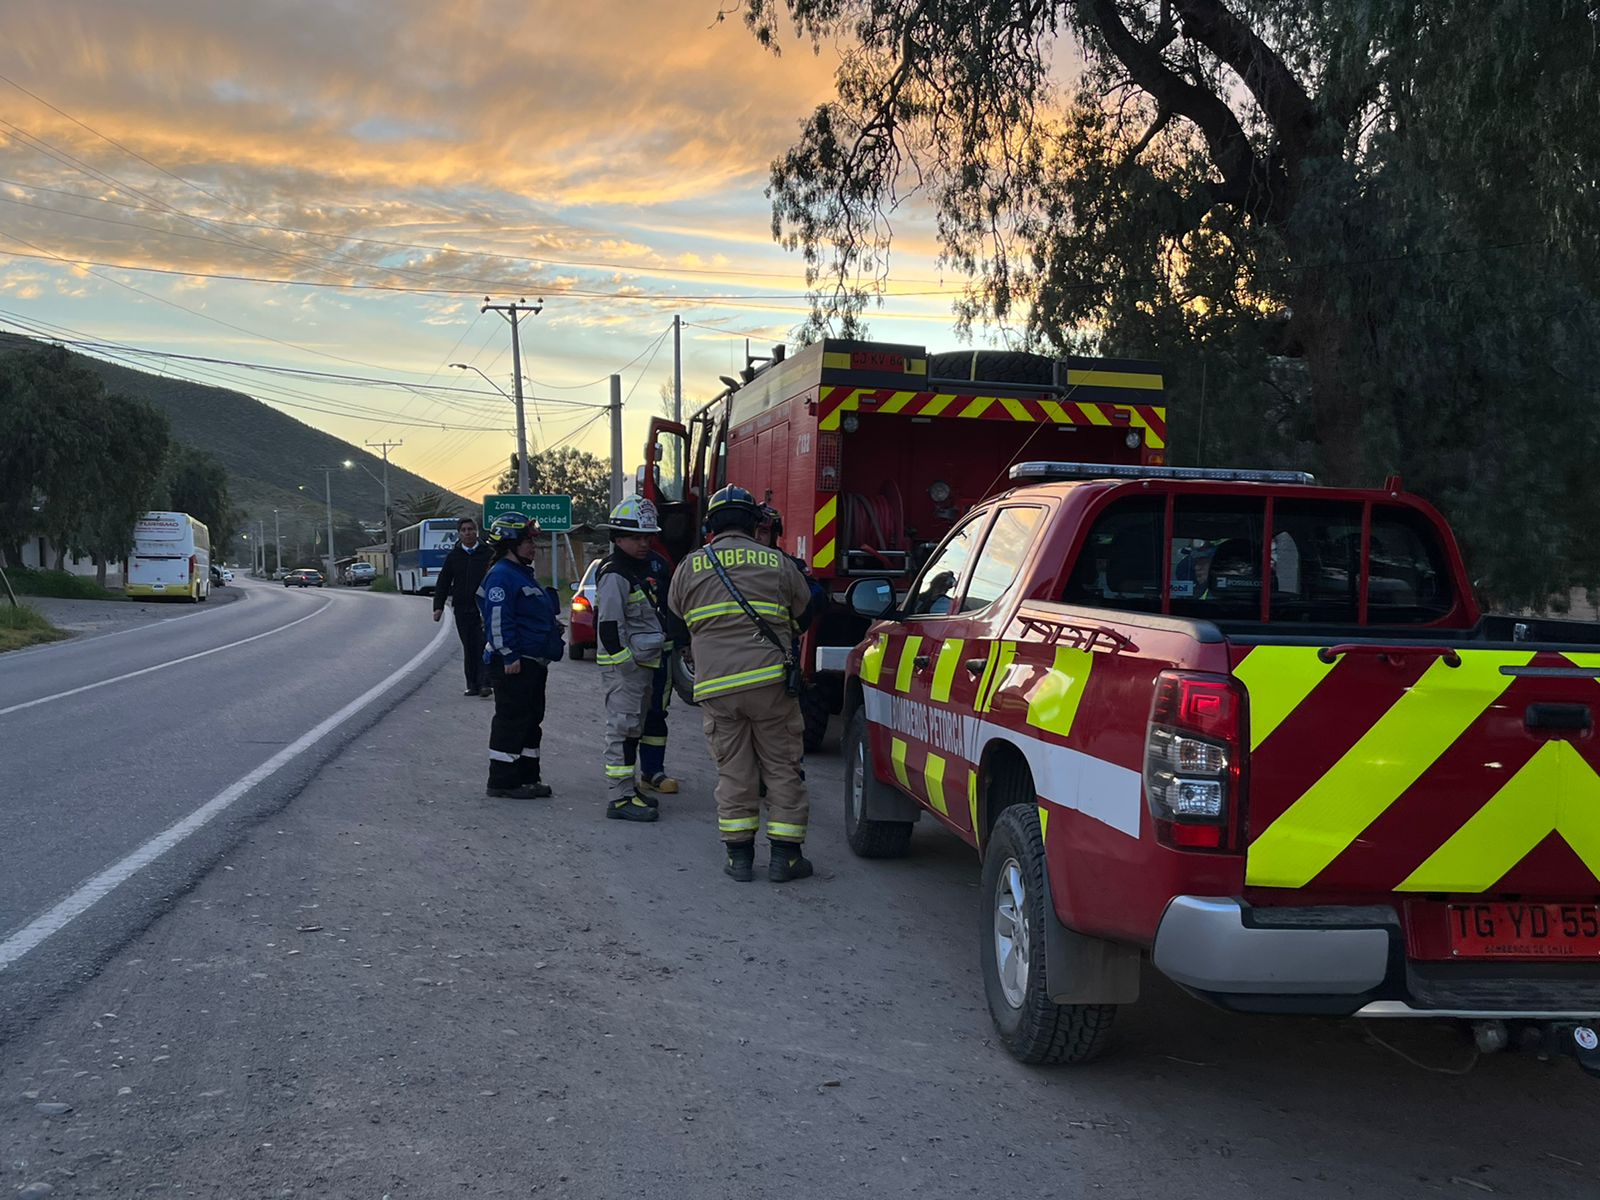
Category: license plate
[1503,930]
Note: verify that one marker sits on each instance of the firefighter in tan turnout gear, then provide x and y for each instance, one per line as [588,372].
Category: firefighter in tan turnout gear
[752,724]
[632,641]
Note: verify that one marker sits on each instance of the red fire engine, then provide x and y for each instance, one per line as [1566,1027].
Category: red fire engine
[872,451]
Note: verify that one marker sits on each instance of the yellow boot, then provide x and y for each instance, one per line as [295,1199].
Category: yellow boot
[663,783]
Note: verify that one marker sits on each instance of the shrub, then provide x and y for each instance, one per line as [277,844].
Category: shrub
[23,626]
[63,585]
[384,583]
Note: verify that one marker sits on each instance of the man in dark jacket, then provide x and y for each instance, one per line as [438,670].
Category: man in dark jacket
[459,579]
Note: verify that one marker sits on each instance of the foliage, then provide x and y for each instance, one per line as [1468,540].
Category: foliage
[383,583]
[424,503]
[22,626]
[62,585]
[79,465]
[196,483]
[567,471]
[1361,235]
[266,453]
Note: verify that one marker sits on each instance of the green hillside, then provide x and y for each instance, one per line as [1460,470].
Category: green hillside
[266,453]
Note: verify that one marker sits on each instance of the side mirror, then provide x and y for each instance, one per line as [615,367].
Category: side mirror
[871,598]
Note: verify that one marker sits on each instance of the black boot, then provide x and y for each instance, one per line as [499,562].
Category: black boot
[516,792]
[788,863]
[528,777]
[741,862]
[631,808]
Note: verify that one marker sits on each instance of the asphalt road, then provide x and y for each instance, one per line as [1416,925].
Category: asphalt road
[391,986]
[111,739]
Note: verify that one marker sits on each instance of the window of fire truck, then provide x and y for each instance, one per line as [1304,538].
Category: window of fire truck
[1316,561]
[1119,564]
[936,589]
[1005,548]
[1215,557]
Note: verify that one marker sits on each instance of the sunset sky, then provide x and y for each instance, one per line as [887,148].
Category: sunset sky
[608,156]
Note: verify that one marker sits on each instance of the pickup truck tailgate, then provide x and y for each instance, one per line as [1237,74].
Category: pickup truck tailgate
[1422,770]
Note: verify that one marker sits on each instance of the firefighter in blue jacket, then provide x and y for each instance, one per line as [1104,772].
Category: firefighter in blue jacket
[523,637]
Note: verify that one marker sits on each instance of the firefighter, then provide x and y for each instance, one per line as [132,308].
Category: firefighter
[769,532]
[523,638]
[752,722]
[630,653]
[653,743]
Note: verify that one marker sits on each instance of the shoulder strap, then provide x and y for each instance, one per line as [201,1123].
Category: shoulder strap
[766,630]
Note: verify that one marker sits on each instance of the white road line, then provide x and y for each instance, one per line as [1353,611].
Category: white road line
[88,687]
[79,902]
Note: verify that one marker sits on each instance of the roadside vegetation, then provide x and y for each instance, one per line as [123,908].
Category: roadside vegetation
[382,583]
[23,626]
[62,585]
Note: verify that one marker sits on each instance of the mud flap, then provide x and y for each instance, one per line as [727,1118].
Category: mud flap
[1086,970]
[884,803]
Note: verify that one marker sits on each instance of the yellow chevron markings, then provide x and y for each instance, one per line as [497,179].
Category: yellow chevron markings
[896,402]
[1278,679]
[1055,412]
[978,406]
[994,676]
[933,777]
[944,668]
[825,514]
[1017,409]
[1555,792]
[1377,770]
[872,659]
[1054,703]
[908,664]
[937,405]
[1044,823]
[897,760]
[972,801]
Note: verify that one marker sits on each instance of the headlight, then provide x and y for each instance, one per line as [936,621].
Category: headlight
[1133,439]
[850,422]
[939,492]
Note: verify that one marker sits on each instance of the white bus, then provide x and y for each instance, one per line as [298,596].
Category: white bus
[419,552]
[171,557]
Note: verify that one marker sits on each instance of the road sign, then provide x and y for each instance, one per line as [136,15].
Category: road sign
[554,513]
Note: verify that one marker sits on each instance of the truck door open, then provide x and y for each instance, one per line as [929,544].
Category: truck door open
[665,484]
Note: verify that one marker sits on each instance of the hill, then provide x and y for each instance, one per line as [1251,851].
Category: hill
[266,453]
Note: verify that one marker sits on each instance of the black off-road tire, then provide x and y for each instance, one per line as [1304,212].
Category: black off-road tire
[814,708]
[867,838]
[993,366]
[1037,1030]
[576,652]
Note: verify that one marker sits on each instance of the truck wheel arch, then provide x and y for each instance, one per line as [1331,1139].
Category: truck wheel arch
[1002,764]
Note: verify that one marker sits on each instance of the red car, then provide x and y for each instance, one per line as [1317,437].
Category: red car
[581,636]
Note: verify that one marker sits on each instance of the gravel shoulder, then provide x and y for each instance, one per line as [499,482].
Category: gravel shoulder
[85,618]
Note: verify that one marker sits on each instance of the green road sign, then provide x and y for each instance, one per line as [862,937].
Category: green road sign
[554,513]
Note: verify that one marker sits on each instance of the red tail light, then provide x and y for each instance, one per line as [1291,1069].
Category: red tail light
[581,604]
[1194,761]
[192,559]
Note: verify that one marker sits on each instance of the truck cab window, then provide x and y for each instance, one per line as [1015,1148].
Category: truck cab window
[1408,579]
[935,591]
[1216,557]
[1119,563]
[1001,558]
[1316,561]
[667,456]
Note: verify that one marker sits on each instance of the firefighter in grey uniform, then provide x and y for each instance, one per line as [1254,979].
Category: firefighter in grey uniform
[752,724]
[632,643]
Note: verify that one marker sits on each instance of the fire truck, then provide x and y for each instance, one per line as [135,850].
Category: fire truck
[872,451]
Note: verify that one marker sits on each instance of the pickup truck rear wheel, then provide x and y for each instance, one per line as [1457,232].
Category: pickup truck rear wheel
[1012,921]
[868,838]
[682,674]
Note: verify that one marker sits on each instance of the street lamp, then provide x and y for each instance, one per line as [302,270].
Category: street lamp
[327,485]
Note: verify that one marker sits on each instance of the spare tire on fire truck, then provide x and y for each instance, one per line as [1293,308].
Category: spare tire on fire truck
[995,366]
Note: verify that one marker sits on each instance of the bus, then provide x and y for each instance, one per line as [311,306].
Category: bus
[171,557]
[419,552]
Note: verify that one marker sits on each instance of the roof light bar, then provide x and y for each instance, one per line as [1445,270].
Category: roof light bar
[1039,471]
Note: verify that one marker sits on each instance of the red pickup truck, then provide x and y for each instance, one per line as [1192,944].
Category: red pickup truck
[1249,729]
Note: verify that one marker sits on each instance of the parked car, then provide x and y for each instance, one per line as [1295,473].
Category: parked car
[304,577]
[227,575]
[358,573]
[581,638]
[219,577]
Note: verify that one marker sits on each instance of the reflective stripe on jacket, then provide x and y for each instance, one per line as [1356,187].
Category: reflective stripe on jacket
[730,654]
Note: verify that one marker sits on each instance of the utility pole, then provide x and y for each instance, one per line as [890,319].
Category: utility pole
[388,533]
[261,544]
[327,488]
[514,313]
[616,440]
[677,369]
[277,544]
